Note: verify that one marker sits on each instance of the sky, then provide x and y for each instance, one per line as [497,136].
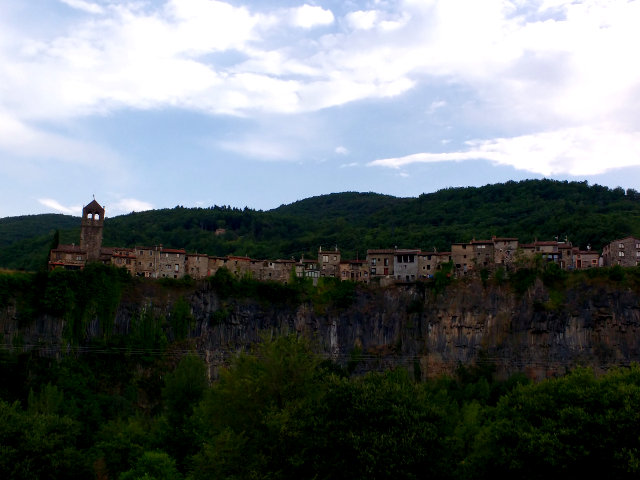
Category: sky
[149,104]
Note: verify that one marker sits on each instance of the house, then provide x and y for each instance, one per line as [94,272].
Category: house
[354,270]
[483,254]
[406,265]
[463,258]
[239,266]
[171,263]
[329,262]
[624,252]
[69,257]
[504,250]
[147,261]
[381,262]
[279,270]
[124,258]
[586,259]
[215,264]
[197,265]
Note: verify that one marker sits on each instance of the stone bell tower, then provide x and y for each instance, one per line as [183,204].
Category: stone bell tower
[91,232]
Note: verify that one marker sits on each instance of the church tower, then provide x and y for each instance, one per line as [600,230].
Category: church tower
[91,232]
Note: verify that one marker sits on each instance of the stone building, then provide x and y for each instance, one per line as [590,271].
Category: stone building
[462,256]
[405,266]
[624,252]
[122,257]
[381,262]
[483,254]
[197,265]
[504,250]
[586,259]
[91,230]
[69,257]
[329,262]
[354,270]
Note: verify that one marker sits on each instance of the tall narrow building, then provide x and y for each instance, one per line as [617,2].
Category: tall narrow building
[91,232]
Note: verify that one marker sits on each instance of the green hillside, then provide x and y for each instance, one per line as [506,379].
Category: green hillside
[543,209]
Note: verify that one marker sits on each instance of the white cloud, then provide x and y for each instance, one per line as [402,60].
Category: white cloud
[58,207]
[362,20]
[127,205]
[340,150]
[22,140]
[556,65]
[349,165]
[262,149]
[308,16]
[88,7]
[573,151]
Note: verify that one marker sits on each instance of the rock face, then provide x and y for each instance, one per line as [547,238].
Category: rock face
[405,326]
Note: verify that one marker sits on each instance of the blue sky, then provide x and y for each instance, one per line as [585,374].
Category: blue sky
[153,104]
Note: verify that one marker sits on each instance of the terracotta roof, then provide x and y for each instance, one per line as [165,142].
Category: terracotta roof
[237,257]
[172,250]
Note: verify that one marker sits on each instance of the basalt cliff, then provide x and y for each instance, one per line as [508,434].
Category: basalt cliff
[540,331]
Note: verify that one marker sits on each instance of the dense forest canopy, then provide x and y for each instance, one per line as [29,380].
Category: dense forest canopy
[282,412]
[543,209]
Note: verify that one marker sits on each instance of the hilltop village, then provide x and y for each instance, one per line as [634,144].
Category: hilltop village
[380,265]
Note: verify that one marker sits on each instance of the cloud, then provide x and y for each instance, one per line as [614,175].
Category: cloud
[523,66]
[349,165]
[362,20]
[20,139]
[127,205]
[535,62]
[340,150]
[260,148]
[88,7]
[57,206]
[308,16]
[573,151]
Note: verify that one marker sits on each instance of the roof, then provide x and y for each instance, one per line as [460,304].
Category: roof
[93,207]
[237,257]
[381,251]
[173,250]
[69,249]
[636,239]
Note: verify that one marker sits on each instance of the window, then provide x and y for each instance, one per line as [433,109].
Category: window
[373,271]
[373,262]
[386,262]
[325,258]
[621,254]
[177,267]
[621,245]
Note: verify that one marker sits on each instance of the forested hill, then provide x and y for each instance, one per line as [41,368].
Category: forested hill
[529,209]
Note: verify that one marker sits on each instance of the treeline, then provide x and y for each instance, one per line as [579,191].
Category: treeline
[281,412]
[543,209]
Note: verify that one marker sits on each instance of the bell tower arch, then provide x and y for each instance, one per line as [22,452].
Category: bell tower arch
[91,230]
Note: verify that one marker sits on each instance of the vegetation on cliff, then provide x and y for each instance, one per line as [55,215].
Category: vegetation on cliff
[543,209]
[280,411]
